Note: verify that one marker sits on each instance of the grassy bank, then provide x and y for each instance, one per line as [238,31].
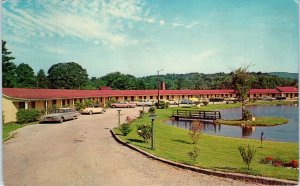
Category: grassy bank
[274,102]
[216,152]
[9,127]
[259,121]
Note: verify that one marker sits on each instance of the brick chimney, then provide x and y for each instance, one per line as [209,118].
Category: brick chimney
[162,86]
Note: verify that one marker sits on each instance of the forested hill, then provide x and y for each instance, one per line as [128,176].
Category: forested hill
[285,74]
[117,80]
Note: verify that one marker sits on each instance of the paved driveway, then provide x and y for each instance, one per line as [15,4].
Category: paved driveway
[82,152]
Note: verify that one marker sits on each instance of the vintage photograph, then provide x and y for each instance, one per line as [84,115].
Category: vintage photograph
[150,92]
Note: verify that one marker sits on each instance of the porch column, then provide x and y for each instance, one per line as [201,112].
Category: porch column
[72,103]
[46,105]
[26,105]
[61,105]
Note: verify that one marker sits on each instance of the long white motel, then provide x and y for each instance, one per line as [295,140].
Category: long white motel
[14,99]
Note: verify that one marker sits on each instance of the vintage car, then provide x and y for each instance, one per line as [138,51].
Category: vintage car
[123,104]
[173,102]
[144,103]
[92,110]
[60,115]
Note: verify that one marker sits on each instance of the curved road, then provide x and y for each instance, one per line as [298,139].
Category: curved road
[83,152]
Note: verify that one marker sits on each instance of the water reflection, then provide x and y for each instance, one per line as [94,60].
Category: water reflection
[286,132]
[210,127]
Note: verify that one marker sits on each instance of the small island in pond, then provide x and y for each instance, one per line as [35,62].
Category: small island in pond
[258,121]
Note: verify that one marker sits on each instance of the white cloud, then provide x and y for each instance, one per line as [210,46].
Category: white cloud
[161,22]
[192,24]
[204,55]
[296,1]
[56,50]
[98,20]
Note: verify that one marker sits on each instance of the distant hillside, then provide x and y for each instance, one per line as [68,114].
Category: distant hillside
[285,74]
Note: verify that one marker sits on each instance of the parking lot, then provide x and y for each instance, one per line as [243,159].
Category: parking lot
[82,152]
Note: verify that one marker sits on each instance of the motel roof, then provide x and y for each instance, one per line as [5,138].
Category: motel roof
[264,91]
[288,89]
[25,93]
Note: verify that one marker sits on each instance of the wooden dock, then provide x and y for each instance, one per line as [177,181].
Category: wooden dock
[196,114]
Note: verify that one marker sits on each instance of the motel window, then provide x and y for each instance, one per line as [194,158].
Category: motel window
[117,98]
[132,98]
[21,105]
[33,104]
[172,97]
[45,104]
[125,97]
[160,97]
[168,97]
[145,97]
[63,102]
[101,100]
[151,97]
[68,102]
[140,97]
[53,102]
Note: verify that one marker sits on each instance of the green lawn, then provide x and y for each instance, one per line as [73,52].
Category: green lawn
[216,152]
[259,121]
[9,127]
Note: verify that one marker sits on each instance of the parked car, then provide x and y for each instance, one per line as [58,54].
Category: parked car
[144,103]
[185,101]
[60,115]
[93,110]
[123,104]
[173,102]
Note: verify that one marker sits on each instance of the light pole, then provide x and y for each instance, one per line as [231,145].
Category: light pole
[119,115]
[152,116]
[158,86]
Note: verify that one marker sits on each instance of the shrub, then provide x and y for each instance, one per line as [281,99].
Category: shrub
[144,131]
[112,100]
[125,129]
[294,163]
[195,131]
[205,102]
[141,113]
[266,160]
[27,116]
[277,162]
[247,154]
[194,153]
[162,105]
[151,110]
[79,105]
[247,115]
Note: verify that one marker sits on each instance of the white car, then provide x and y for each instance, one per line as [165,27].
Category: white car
[173,102]
[144,103]
[93,110]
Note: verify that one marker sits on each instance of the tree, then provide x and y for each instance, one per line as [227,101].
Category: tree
[67,76]
[25,77]
[8,68]
[42,81]
[241,82]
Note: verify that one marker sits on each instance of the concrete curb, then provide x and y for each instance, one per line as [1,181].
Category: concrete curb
[235,176]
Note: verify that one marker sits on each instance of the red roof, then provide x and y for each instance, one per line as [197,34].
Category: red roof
[264,91]
[287,89]
[24,93]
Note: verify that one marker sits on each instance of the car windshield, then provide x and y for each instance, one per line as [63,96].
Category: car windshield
[61,111]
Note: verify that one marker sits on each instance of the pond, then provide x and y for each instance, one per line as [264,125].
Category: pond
[287,132]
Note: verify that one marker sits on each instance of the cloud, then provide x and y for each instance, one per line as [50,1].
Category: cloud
[56,50]
[161,22]
[204,55]
[296,1]
[102,21]
[192,24]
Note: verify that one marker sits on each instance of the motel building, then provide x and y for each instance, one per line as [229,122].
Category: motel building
[14,99]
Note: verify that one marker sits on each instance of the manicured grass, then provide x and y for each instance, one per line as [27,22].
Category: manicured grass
[216,152]
[259,121]
[9,127]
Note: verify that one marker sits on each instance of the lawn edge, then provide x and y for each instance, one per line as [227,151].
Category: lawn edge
[234,176]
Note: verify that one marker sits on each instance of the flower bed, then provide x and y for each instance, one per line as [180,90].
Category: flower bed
[277,162]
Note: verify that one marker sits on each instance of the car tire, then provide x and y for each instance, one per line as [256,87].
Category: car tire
[90,112]
[74,117]
[114,106]
[61,120]
[128,106]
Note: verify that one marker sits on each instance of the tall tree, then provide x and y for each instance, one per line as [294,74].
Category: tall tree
[25,77]
[8,67]
[242,81]
[67,76]
[42,81]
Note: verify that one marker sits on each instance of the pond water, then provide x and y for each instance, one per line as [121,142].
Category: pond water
[287,132]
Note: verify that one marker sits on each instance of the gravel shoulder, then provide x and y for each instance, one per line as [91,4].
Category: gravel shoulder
[83,152]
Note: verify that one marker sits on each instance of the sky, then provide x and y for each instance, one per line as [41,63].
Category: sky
[139,37]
